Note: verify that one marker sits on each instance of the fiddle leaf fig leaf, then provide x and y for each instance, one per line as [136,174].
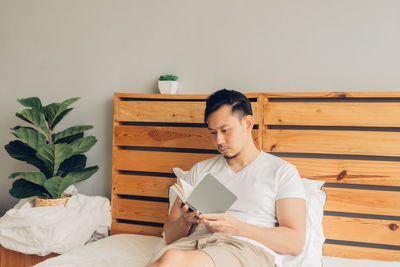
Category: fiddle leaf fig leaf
[74,163]
[56,185]
[69,139]
[83,174]
[23,189]
[20,151]
[31,102]
[59,117]
[33,177]
[34,117]
[71,132]
[54,110]
[30,136]
[54,154]
[83,144]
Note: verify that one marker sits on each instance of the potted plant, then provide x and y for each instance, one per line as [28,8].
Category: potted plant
[168,84]
[58,156]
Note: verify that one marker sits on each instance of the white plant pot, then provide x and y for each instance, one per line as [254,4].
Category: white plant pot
[168,87]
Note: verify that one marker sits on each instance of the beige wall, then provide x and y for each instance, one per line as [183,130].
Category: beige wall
[92,48]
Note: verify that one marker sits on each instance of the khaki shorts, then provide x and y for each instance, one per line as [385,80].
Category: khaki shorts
[224,250]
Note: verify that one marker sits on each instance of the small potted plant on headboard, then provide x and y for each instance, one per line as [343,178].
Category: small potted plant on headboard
[168,84]
[57,156]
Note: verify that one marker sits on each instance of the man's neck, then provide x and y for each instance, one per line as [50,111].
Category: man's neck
[245,157]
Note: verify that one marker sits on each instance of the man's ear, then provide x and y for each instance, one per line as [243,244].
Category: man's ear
[249,122]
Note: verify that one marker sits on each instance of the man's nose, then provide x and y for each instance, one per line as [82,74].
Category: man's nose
[220,138]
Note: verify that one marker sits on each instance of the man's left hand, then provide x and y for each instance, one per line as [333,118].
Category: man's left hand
[221,223]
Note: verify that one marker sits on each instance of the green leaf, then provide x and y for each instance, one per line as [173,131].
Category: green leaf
[59,117]
[83,144]
[30,136]
[83,174]
[74,163]
[31,102]
[33,177]
[54,110]
[71,131]
[54,154]
[23,189]
[20,151]
[34,117]
[56,185]
[69,139]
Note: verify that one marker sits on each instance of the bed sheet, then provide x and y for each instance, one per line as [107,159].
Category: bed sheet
[135,250]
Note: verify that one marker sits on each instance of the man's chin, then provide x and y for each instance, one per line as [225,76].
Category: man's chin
[231,156]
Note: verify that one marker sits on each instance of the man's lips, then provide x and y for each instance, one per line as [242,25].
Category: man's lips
[222,150]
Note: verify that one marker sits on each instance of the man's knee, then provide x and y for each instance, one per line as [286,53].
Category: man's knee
[170,258]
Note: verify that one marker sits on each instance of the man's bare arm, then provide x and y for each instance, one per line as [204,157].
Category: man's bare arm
[287,238]
[179,222]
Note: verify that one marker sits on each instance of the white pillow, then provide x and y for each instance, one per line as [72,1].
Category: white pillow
[311,256]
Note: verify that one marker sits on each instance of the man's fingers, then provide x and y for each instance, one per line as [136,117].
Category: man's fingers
[212,216]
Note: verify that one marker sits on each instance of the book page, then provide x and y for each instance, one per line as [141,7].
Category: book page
[179,191]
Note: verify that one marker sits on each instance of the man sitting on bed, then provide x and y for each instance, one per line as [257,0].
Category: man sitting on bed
[269,215]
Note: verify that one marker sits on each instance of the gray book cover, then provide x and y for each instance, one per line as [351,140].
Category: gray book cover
[211,196]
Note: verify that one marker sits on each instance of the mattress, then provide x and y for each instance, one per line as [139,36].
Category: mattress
[135,250]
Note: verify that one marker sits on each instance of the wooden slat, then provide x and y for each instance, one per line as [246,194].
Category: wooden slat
[332,142]
[11,258]
[164,111]
[155,161]
[363,201]
[139,210]
[120,228]
[362,230]
[332,114]
[361,253]
[334,95]
[349,171]
[163,136]
[160,111]
[142,185]
[177,96]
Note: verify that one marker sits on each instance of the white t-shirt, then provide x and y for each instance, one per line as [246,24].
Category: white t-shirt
[257,186]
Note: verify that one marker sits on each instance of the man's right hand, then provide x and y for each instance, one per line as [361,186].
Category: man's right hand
[188,215]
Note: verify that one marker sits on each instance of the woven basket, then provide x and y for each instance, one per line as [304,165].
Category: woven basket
[45,202]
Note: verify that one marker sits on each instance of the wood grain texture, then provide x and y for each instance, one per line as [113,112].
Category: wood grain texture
[332,142]
[349,171]
[140,185]
[362,230]
[361,253]
[122,228]
[11,258]
[363,201]
[333,114]
[155,161]
[161,111]
[166,136]
[176,96]
[339,95]
[139,210]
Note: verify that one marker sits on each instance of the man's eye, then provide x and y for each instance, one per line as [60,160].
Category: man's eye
[213,132]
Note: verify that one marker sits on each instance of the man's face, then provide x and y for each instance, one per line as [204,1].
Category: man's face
[228,132]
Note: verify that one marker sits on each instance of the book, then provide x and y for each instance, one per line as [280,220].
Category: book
[207,196]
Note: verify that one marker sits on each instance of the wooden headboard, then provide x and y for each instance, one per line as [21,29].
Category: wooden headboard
[350,140]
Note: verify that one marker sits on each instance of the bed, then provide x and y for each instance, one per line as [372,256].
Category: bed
[349,140]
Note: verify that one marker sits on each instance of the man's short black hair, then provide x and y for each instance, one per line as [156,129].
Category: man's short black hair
[238,101]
